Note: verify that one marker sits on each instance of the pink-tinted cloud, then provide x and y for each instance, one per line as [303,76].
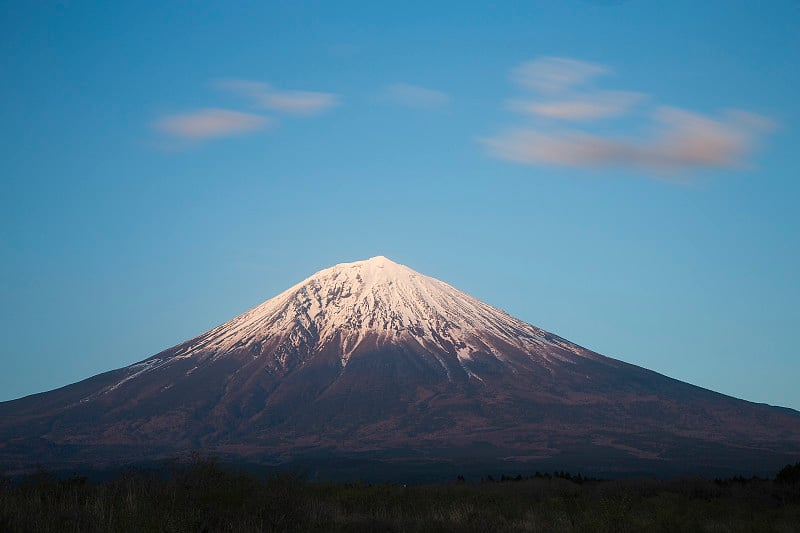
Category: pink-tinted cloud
[556,74]
[681,141]
[559,92]
[592,106]
[206,124]
[415,96]
[263,95]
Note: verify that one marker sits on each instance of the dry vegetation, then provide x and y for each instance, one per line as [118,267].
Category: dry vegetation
[204,496]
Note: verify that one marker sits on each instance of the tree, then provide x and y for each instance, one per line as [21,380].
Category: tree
[789,474]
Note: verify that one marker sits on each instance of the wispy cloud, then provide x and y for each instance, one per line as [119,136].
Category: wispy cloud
[265,96]
[679,141]
[605,104]
[556,74]
[206,124]
[214,123]
[415,96]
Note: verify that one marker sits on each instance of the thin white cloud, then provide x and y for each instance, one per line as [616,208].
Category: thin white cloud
[559,92]
[212,123]
[593,106]
[682,141]
[556,74]
[415,96]
[299,102]
[263,95]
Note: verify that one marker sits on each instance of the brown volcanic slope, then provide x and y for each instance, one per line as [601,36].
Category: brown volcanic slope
[372,359]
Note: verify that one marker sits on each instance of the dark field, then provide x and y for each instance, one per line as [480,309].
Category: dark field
[204,496]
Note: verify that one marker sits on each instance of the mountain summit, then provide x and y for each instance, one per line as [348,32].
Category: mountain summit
[373,360]
[365,305]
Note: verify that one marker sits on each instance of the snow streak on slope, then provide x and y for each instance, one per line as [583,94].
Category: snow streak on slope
[385,302]
[374,358]
[371,305]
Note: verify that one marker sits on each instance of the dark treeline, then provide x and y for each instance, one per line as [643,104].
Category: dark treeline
[559,474]
[203,495]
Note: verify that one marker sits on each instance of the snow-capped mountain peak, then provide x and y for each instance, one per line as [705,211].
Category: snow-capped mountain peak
[373,357]
[376,301]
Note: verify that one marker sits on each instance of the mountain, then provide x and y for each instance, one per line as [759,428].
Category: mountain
[373,361]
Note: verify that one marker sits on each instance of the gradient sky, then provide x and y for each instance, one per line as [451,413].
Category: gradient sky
[623,174]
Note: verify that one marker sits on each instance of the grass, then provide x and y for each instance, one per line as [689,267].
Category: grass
[205,496]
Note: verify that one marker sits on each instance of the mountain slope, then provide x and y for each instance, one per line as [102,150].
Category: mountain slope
[373,358]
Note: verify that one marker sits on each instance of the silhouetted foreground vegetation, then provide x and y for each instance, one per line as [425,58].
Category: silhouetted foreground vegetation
[204,496]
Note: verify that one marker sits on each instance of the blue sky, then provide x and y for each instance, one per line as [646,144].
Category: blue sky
[621,173]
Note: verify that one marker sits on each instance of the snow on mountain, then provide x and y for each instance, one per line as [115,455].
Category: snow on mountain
[385,302]
[371,356]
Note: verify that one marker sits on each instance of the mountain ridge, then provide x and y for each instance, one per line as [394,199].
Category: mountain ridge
[371,357]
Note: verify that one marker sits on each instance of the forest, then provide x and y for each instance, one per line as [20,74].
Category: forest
[204,495]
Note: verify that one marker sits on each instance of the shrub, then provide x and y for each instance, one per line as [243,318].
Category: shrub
[789,474]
